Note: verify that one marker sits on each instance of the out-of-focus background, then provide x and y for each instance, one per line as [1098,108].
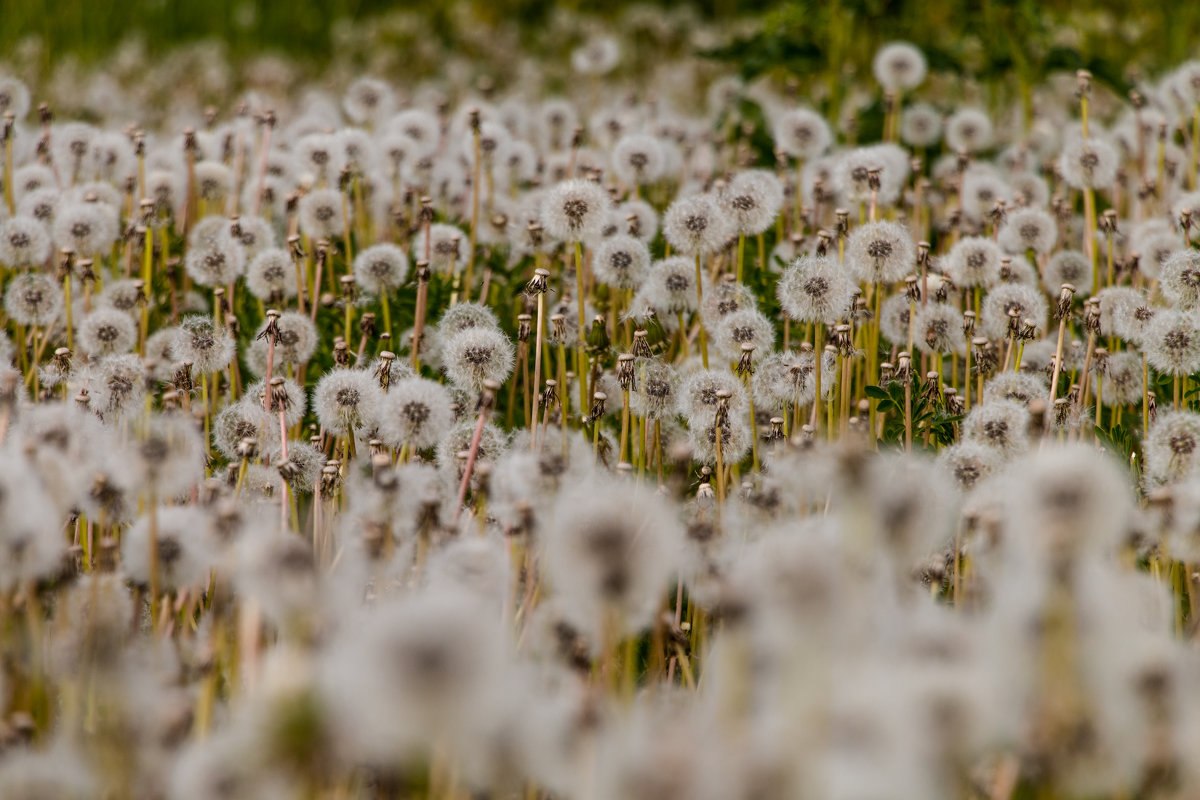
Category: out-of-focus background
[985,37]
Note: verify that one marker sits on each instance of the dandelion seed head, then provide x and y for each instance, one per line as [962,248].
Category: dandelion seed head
[899,66]
[696,225]
[880,252]
[574,210]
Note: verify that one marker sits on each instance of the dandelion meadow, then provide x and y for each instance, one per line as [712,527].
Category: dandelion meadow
[521,401]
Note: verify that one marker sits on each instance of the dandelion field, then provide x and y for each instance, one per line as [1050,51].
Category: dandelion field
[665,403]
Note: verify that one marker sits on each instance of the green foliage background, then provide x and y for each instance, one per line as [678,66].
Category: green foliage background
[984,37]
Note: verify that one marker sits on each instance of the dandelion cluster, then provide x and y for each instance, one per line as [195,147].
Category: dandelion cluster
[371,437]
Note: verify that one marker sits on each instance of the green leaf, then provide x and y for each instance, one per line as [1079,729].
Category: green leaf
[877,393]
